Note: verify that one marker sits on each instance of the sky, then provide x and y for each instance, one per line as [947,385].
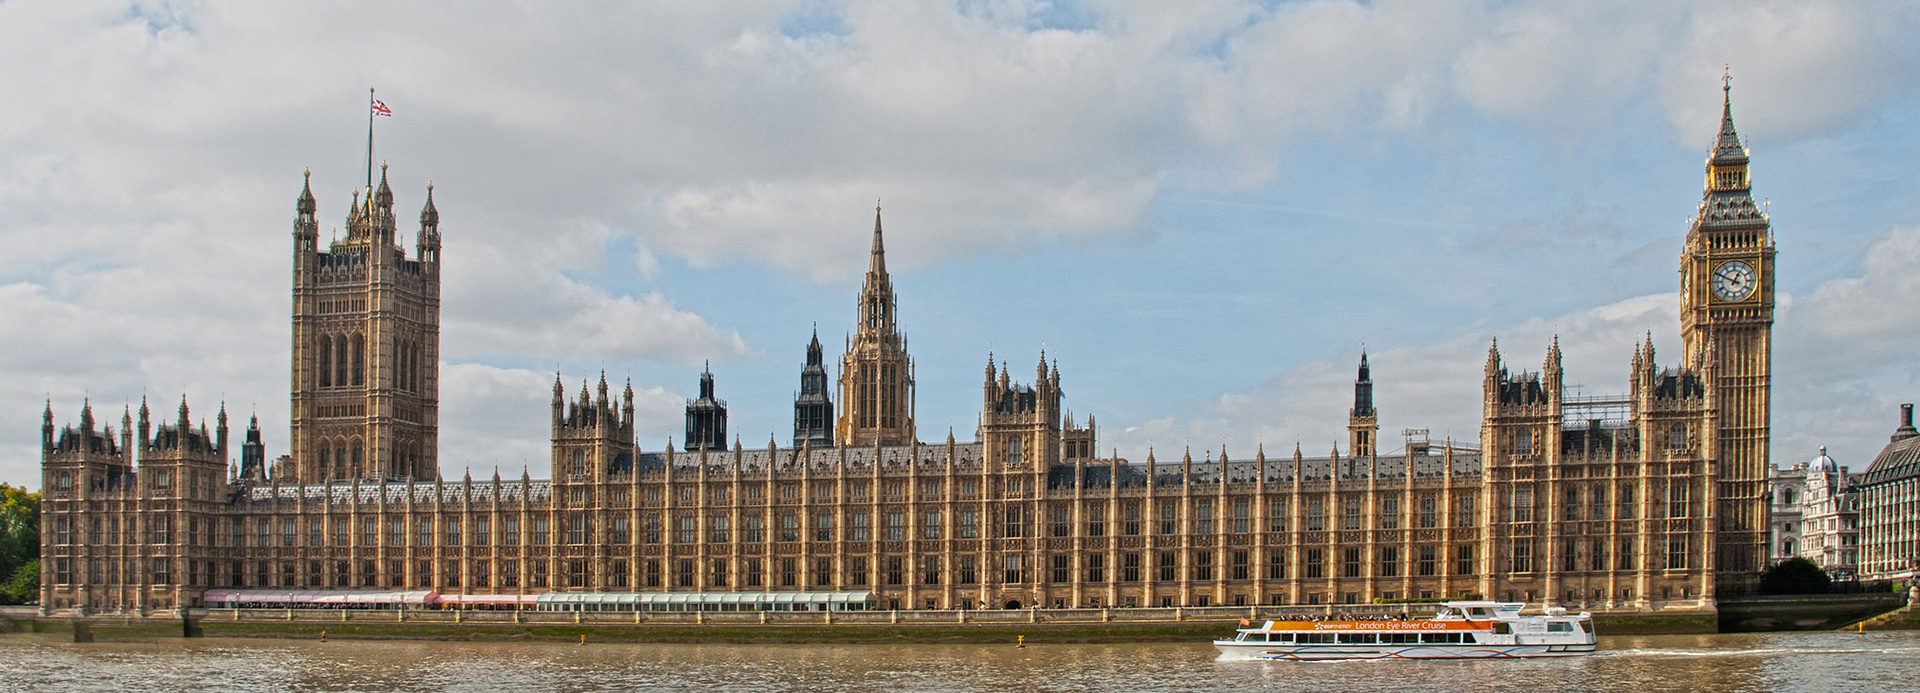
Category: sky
[1202,210]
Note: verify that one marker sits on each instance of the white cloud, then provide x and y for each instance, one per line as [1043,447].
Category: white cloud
[1843,362]
[500,417]
[1844,357]
[149,152]
[1434,385]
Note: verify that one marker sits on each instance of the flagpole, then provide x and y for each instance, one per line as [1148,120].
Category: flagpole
[369,138]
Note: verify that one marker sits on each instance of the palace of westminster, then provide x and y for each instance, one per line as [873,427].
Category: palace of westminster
[1655,498]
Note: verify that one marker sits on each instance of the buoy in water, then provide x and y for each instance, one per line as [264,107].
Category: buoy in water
[1022,642]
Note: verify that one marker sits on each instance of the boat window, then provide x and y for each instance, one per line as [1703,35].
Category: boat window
[1400,638]
[1357,639]
[1559,627]
[1314,638]
[1502,628]
[1440,638]
[1282,637]
[1478,612]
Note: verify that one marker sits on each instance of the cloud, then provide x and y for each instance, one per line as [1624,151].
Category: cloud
[1433,385]
[1844,357]
[1843,362]
[501,416]
[149,153]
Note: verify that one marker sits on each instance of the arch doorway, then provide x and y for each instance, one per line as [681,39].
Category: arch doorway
[1013,604]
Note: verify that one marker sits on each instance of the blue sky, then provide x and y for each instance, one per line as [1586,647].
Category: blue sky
[1202,210]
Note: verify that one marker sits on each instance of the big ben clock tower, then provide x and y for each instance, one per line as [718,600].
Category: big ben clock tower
[1726,322]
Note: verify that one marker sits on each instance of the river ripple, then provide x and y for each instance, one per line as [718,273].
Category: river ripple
[1721,663]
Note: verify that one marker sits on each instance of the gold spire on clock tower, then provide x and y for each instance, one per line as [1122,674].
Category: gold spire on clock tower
[1726,317]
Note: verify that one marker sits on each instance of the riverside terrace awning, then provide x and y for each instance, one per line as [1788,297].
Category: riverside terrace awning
[523,601]
[706,601]
[319,598]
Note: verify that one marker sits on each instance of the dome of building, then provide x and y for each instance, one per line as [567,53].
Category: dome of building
[1822,463]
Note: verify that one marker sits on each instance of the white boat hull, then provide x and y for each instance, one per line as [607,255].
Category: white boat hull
[1231,651]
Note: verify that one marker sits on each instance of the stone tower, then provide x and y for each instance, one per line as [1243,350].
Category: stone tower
[876,376]
[366,344]
[706,418]
[1363,424]
[1726,324]
[1020,427]
[253,453]
[592,439]
[812,410]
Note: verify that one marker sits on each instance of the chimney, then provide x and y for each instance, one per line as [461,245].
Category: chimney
[1906,429]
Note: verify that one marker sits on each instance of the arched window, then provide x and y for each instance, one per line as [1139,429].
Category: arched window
[359,360]
[340,362]
[326,362]
[1677,437]
[359,457]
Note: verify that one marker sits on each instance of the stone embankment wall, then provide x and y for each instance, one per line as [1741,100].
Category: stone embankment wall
[1037,625]
[1804,611]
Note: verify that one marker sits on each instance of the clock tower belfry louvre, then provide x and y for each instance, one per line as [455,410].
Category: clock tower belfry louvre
[1726,326]
[366,344]
[876,375]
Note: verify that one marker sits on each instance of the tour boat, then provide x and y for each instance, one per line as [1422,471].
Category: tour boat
[1462,630]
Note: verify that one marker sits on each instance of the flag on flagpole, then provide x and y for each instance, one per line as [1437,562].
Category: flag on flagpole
[380,109]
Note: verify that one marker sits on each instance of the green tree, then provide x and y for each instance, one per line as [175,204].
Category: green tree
[24,586]
[1794,576]
[19,541]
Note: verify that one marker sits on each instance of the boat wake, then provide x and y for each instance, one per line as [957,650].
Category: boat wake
[1758,652]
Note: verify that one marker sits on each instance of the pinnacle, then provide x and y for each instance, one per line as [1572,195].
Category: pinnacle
[877,263]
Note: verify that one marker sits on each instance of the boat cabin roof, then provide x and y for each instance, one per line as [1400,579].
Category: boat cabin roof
[1479,609]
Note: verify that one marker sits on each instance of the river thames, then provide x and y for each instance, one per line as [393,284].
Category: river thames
[1747,662]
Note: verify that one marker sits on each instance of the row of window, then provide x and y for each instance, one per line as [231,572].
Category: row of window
[579,467]
[1676,498]
[753,572]
[1594,556]
[198,484]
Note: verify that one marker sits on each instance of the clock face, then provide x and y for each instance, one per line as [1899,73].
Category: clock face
[1733,281]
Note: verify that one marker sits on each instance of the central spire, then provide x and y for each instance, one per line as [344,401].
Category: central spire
[876,376]
[877,263]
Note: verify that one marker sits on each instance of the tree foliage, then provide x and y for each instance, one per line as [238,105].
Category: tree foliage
[24,586]
[1794,576]
[19,544]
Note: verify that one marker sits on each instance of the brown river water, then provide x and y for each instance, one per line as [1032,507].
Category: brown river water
[1720,663]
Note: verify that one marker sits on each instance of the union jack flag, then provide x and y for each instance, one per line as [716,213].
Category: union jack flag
[380,109]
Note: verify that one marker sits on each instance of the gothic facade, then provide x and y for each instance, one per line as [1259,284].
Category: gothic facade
[366,344]
[1649,499]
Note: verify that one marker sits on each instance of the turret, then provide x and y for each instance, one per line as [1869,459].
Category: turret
[46,428]
[146,425]
[1363,424]
[706,418]
[220,432]
[253,454]
[812,409]
[382,207]
[306,229]
[427,245]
